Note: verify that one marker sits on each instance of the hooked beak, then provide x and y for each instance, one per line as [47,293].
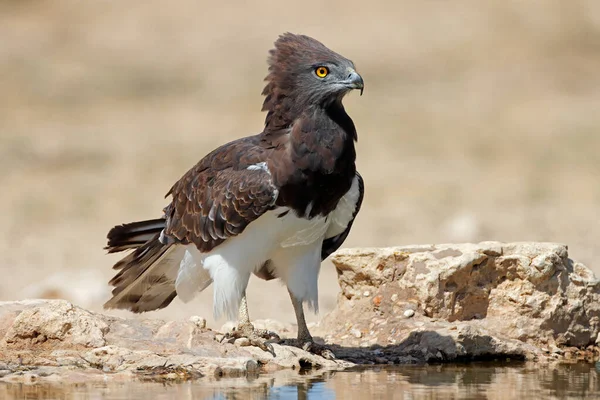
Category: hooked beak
[355,81]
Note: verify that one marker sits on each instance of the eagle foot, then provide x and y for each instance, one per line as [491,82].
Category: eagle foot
[256,337]
[310,346]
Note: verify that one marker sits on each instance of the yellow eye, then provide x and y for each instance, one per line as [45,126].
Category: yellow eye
[321,72]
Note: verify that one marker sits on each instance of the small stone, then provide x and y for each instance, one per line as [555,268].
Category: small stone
[394,297]
[356,333]
[251,366]
[377,300]
[4,372]
[381,360]
[568,354]
[228,326]
[409,313]
[198,321]
[219,338]
[366,293]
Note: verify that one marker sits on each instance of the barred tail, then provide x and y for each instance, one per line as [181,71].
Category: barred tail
[146,277]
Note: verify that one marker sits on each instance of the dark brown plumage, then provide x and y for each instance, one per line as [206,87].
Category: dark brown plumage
[302,164]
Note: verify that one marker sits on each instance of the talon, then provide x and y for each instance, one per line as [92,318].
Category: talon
[328,354]
[311,347]
[256,337]
[269,348]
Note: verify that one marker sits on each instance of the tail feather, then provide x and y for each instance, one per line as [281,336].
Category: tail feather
[133,235]
[146,277]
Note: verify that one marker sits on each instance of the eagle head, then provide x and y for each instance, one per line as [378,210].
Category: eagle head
[304,73]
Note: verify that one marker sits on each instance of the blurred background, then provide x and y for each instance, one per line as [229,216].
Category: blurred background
[480,121]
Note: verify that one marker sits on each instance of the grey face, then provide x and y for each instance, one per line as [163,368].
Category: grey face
[338,77]
[330,80]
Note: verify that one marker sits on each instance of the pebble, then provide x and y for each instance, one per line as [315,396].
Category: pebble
[198,321]
[409,313]
[228,326]
[366,293]
[356,333]
[252,366]
[377,300]
[394,297]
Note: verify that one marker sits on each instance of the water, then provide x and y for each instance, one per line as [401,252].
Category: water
[469,381]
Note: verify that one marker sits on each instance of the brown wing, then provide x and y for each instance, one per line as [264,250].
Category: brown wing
[220,196]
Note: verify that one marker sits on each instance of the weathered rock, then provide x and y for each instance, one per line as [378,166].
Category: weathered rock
[57,336]
[58,322]
[397,305]
[470,301]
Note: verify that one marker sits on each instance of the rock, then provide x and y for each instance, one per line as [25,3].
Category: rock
[228,326]
[474,300]
[198,321]
[49,338]
[57,322]
[356,333]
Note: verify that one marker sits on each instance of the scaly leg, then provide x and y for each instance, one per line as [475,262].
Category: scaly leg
[245,329]
[305,340]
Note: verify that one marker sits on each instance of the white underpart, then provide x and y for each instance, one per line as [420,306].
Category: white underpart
[342,215]
[192,277]
[292,244]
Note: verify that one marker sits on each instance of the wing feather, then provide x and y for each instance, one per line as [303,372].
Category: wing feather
[220,196]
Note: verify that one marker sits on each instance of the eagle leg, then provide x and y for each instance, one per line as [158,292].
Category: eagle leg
[305,340]
[245,329]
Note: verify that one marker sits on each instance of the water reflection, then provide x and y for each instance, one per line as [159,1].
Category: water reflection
[469,381]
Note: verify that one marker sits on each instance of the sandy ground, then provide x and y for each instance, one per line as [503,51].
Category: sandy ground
[480,121]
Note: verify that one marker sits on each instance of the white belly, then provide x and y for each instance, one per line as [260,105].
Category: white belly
[292,244]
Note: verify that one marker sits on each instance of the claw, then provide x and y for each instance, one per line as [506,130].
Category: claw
[256,337]
[311,347]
